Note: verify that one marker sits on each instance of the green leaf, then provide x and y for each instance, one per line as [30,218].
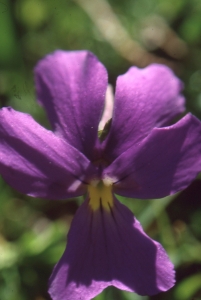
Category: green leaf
[188,287]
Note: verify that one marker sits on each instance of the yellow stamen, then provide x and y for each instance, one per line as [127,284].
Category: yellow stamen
[100,195]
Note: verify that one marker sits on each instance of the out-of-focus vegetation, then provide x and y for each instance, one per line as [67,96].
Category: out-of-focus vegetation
[120,33]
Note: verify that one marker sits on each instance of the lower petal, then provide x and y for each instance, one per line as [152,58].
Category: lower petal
[109,248]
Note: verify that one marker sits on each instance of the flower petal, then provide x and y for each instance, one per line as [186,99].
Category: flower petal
[144,99]
[36,162]
[109,248]
[163,164]
[72,86]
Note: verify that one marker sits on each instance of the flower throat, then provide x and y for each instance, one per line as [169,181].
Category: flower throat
[100,195]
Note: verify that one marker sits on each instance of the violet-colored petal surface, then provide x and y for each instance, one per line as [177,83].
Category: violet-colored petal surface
[144,99]
[163,164]
[109,248]
[72,86]
[36,162]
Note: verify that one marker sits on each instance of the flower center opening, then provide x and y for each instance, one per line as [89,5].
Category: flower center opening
[100,195]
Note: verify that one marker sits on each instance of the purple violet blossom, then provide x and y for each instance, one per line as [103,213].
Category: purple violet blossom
[140,157]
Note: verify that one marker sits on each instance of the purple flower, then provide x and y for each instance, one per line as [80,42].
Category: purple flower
[140,157]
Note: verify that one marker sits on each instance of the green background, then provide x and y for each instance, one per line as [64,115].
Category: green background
[121,34]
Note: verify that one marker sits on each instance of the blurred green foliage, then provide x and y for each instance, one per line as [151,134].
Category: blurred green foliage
[33,231]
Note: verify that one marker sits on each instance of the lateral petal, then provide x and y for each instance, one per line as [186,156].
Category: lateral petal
[71,85]
[36,162]
[167,161]
[144,99]
[109,248]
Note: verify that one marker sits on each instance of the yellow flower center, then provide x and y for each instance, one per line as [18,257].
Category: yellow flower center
[100,195]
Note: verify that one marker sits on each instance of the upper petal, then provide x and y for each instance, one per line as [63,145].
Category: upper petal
[36,162]
[163,164]
[109,248]
[72,86]
[144,99]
